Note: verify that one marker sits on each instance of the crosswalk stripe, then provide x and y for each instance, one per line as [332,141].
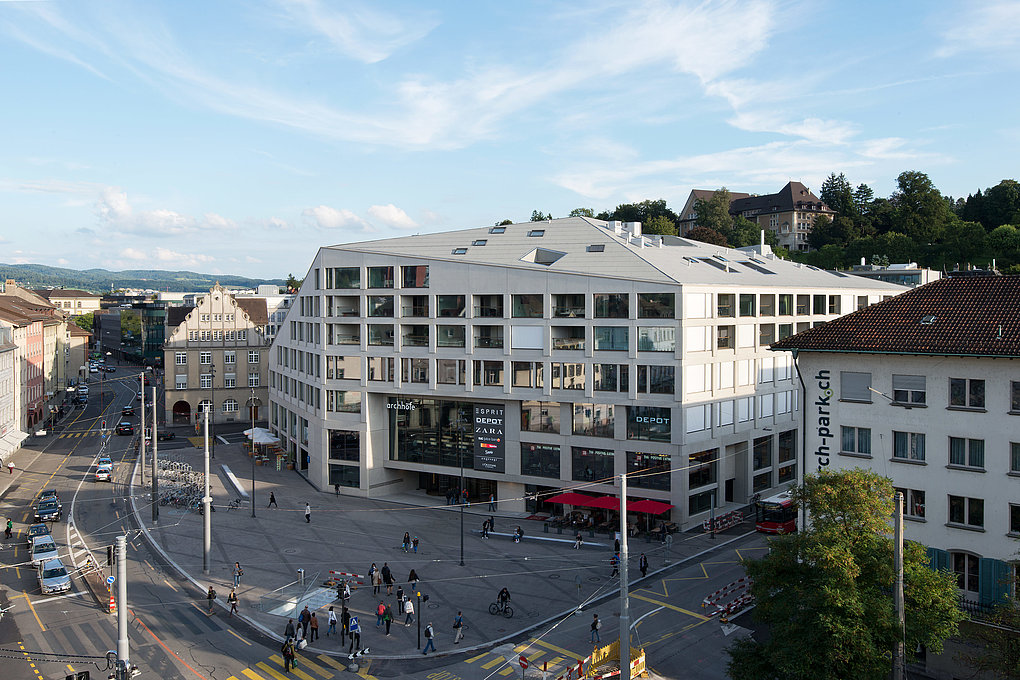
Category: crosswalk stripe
[293,667]
[476,658]
[247,672]
[507,671]
[331,662]
[532,653]
[272,671]
[497,660]
[566,652]
[555,661]
[232,677]
[305,661]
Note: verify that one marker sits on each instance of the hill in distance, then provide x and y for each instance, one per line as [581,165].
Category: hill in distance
[103,281]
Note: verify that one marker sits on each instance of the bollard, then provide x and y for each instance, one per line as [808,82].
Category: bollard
[545,527]
[301,577]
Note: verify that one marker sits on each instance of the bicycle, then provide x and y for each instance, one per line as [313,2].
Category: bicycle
[234,505]
[503,608]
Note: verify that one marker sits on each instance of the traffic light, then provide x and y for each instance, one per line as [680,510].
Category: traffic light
[103,425]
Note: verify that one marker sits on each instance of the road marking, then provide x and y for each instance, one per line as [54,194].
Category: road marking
[58,597]
[670,606]
[163,645]
[497,660]
[170,584]
[239,637]
[507,671]
[293,668]
[333,662]
[37,619]
[737,550]
[252,674]
[262,666]
[70,668]
[520,649]
[560,650]
[476,658]
[314,666]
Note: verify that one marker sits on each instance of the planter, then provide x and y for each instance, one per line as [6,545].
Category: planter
[290,466]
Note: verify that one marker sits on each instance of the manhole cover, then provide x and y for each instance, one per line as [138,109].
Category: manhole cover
[433,606]
[554,575]
[594,579]
[290,551]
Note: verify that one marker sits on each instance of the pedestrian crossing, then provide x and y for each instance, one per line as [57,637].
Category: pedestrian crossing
[80,434]
[305,668]
[540,654]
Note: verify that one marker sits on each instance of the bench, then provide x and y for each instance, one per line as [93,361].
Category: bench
[235,485]
[549,539]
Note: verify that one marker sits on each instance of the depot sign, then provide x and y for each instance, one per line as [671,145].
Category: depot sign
[824,418]
[490,437]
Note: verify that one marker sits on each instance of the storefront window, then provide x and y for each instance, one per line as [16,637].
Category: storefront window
[590,465]
[649,423]
[540,416]
[648,470]
[345,475]
[431,431]
[540,460]
[702,468]
[345,445]
[594,420]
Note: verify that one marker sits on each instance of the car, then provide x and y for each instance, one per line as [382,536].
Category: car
[138,395]
[147,383]
[105,461]
[164,436]
[48,511]
[128,411]
[43,548]
[104,473]
[93,369]
[125,428]
[53,577]
[83,389]
[48,494]
[111,369]
[36,530]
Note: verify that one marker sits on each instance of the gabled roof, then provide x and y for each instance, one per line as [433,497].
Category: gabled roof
[955,316]
[75,329]
[793,196]
[175,316]
[590,247]
[50,293]
[255,308]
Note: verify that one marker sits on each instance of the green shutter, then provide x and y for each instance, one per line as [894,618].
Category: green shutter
[938,559]
[993,580]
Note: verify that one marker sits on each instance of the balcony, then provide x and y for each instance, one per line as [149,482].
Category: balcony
[489,337]
[414,336]
[568,337]
[568,306]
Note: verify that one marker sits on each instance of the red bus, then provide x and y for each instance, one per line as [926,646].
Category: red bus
[776,515]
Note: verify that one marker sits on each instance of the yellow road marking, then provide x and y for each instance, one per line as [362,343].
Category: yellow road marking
[363,671]
[272,671]
[239,637]
[170,584]
[497,660]
[555,661]
[737,550]
[232,677]
[293,669]
[305,661]
[560,650]
[252,674]
[37,619]
[331,662]
[523,649]
[507,671]
[670,606]
[476,658]
[70,668]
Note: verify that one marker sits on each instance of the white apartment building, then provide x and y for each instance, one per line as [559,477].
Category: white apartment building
[11,434]
[925,389]
[548,356]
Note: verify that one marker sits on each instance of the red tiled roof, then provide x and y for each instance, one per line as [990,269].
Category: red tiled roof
[955,316]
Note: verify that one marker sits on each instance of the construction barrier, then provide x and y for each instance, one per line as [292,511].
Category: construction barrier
[113,603]
[336,576]
[723,522]
[730,599]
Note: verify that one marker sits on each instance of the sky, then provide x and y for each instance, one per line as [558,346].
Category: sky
[239,136]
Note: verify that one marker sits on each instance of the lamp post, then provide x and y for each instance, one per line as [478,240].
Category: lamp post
[460,451]
[417,594]
[252,409]
[212,408]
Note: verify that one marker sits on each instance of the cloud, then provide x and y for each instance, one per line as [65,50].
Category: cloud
[115,212]
[165,256]
[981,27]
[391,216]
[325,217]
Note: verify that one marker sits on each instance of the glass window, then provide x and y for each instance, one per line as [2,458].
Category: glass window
[380,305]
[229,356]
[649,423]
[205,358]
[490,306]
[594,420]
[786,305]
[787,473]
[205,381]
[766,334]
[966,567]
[526,306]
[339,401]
[181,382]
[803,305]
[612,338]
[702,469]
[568,305]
[181,358]
[345,445]
[657,339]
[450,336]
[346,277]
[540,416]
[568,376]
[725,337]
[380,277]
[488,373]
[818,303]
[724,307]
[700,502]
[1014,519]
[835,304]
[908,445]
[785,330]
[967,452]
[762,452]
[416,335]
[540,460]
[450,305]
[966,393]
[590,465]
[345,475]
[380,334]
[381,369]
[747,304]
[415,276]
[648,470]
[612,306]
[761,482]
[855,386]
[656,306]
[414,370]
[767,305]
[856,440]
[787,446]
[343,368]
[655,379]
[968,511]
[414,306]
[610,377]
[909,389]
[451,371]
[1014,457]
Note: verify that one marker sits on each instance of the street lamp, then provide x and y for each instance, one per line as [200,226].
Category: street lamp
[252,409]
[460,453]
[212,407]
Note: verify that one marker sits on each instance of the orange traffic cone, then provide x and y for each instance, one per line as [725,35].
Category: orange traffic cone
[113,603]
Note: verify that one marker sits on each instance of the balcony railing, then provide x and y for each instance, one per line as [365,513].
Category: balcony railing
[568,311]
[415,340]
[348,339]
[417,311]
[568,343]
[489,343]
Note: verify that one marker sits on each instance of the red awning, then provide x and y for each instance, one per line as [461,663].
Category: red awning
[606,502]
[651,507]
[572,499]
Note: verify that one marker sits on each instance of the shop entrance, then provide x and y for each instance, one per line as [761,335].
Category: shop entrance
[439,485]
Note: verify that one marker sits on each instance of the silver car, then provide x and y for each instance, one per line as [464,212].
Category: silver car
[53,577]
[43,549]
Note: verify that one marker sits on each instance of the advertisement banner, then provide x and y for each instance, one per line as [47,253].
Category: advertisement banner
[490,441]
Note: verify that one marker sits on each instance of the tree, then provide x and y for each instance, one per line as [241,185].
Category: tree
[826,591]
[838,194]
[582,212]
[706,235]
[1001,204]
[863,196]
[503,223]
[644,212]
[921,210]
[743,232]
[293,285]
[714,213]
[660,224]
[539,216]
[86,321]
[963,243]
[1004,243]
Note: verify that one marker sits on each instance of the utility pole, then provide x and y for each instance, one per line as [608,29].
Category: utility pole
[155,466]
[141,408]
[253,453]
[206,505]
[123,653]
[212,404]
[624,583]
[460,492]
[898,653]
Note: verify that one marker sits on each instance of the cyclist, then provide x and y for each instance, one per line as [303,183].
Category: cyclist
[503,598]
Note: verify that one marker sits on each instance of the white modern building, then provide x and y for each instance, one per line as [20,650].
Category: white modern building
[11,434]
[548,356]
[925,389]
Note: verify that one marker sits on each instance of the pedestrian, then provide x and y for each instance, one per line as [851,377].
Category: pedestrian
[308,513]
[288,632]
[314,625]
[288,654]
[492,502]
[413,579]
[8,529]
[380,612]
[485,529]
[376,582]
[467,502]
[336,488]
[232,601]
[414,544]
[406,543]
[304,618]
[346,592]
[458,625]
[616,546]
[211,595]
[331,630]
[10,467]
[400,598]
[409,610]
[388,618]
[578,541]
[355,641]
[492,522]
[238,573]
[272,501]
[614,562]
[643,565]
[595,626]
[387,577]
[518,534]
[429,638]
[345,624]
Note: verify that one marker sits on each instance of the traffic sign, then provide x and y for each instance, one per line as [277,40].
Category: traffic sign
[354,626]
[524,661]
[110,580]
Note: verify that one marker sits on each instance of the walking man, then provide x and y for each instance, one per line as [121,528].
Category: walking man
[388,618]
[380,612]
[387,577]
[304,619]
[288,632]
[492,502]
[314,625]
[272,501]
[8,529]
[211,595]
[578,540]
[10,467]
[409,610]
[331,630]
[336,487]
[595,626]
[288,654]
[458,625]
[429,639]
[643,565]
[308,513]
[345,624]
[238,573]
[614,562]
[414,544]
[485,529]
[400,599]
[232,601]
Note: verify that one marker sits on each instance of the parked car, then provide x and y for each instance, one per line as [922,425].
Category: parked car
[125,428]
[163,435]
[53,577]
[93,369]
[36,530]
[48,511]
[43,548]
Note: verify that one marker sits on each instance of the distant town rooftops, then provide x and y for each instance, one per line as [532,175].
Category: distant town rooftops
[50,293]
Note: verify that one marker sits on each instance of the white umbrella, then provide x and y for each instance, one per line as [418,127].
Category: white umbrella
[263,437]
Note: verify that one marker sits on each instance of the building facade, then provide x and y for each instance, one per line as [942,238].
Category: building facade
[215,356]
[11,433]
[547,356]
[70,301]
[925,389]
